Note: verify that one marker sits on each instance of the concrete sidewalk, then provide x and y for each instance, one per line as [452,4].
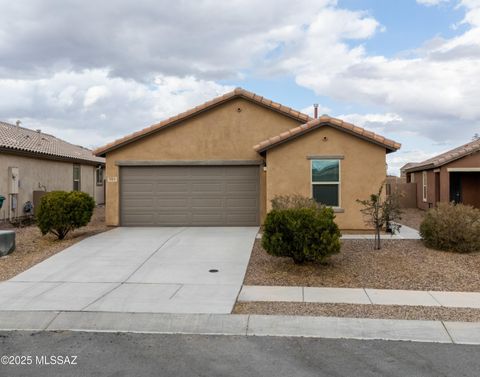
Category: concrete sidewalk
[244,325]
[360,296]
[405,233]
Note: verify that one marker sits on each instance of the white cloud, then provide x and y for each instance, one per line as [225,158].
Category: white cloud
[430,3]
[92,108]
[94,94]
[137,63]
[431,93]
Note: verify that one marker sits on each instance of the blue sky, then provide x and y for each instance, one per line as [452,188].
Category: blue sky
[408,70]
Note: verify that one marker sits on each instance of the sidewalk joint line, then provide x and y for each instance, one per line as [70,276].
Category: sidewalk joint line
[102,296]
[154,252]
[248,324]
[445,327]
[434,298]
[51,321]
[176,291]
[369,299]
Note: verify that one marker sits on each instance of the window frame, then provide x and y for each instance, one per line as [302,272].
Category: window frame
[79,167]
[338,183]
[424,186]
[97,171]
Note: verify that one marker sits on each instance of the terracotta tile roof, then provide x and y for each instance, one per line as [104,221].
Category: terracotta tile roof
[326,120]
[445,158]
[22,139]
[237,93]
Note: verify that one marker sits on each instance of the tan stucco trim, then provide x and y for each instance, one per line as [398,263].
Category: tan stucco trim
[188,162]
[326,157]
[463,169]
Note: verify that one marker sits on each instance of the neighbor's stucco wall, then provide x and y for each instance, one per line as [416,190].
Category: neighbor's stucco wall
[54,175]
[471,161]
[362,170]
[222,133]
[430,202]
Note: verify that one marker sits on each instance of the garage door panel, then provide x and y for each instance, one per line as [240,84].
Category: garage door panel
[189,195]
[207,202]
[134,187]
[137,202]
[242,203]
[205,187]
[165,187]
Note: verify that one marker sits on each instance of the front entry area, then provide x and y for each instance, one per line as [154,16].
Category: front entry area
[465,188]
[189,195]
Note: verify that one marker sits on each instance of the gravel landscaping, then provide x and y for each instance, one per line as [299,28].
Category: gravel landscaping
[33,248]
[401,264]
[358,311]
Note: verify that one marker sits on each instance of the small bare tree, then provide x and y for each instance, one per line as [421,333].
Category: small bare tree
[382,212]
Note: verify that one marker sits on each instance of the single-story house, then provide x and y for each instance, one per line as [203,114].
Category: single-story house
[32,162]
[222,162]
[453,176]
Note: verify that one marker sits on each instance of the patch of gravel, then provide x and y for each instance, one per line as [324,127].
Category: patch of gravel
[358,311]
[412,217]
[400,264]
[33,248]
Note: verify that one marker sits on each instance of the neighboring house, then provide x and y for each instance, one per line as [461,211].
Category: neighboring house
[32,161]
[453,176]
[222,162]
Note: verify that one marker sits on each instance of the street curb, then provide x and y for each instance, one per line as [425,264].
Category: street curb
[243,325]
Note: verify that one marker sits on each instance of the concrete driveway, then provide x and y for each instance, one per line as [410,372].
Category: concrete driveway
[154,270]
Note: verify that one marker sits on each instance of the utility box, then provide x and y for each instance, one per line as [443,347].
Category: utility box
[13,180]
[7,242]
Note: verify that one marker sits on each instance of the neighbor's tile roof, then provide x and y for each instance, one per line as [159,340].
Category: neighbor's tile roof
[326,120]
[22,139]
[445,158]
[237,93]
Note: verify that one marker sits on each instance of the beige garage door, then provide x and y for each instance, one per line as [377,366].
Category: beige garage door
[189,195]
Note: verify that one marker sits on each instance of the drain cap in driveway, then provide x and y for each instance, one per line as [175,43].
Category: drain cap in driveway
[213,270]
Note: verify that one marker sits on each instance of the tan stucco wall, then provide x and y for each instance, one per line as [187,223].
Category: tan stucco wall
[362,170]
[54,175]
[223,133]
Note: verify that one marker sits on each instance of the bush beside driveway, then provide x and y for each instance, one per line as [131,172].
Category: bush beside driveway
[400,264]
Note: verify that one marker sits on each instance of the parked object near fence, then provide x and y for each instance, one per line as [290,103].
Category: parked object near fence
[7,242]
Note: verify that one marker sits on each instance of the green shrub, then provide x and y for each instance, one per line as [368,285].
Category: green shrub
[61,212]
[303,234]
[294,201]
[452,227]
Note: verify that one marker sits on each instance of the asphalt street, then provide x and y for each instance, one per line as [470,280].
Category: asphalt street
[127,354]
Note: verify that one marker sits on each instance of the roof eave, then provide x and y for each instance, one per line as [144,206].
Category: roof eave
[389,149]
[48,156]
[421,167]
[237,93]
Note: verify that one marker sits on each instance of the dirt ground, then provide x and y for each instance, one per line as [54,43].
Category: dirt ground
[412,217]
[400,264]
[32,247]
